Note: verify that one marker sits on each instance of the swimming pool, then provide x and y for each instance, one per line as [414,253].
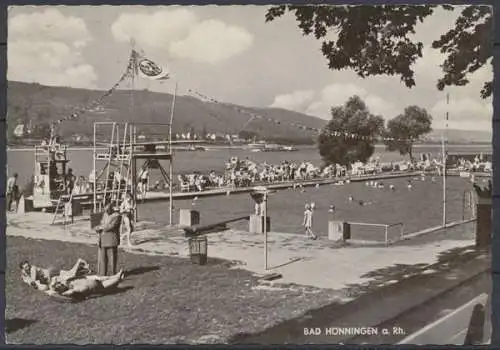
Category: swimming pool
[418,208]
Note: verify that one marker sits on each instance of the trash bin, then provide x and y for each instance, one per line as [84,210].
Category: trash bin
[198,250]
[346,235]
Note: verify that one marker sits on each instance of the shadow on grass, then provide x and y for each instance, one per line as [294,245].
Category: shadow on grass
[15,324]
[218,262]
[365,295]
[141,270]
[148,240]
[397,273]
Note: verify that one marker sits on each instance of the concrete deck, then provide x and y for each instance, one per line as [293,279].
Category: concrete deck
[154,196]
[321,263]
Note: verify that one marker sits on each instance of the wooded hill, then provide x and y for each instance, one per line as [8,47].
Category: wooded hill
[43,104]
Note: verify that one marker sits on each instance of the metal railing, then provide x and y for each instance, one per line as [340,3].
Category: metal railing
[468,204]
[386,229]
[48,153]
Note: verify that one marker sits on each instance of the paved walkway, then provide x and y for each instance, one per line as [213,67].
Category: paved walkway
[322,263]
[408,306]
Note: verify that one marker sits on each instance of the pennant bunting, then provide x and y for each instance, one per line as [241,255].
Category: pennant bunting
[139,65]
[252,115]
[97,102]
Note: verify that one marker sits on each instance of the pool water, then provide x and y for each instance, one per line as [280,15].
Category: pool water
[418,208]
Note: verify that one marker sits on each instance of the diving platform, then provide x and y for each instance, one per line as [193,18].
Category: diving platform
[130,152]
[126,158]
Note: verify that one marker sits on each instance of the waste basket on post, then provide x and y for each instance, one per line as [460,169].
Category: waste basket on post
[198,247]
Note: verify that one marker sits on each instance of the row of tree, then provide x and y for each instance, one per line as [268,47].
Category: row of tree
[379,40]
[354,118]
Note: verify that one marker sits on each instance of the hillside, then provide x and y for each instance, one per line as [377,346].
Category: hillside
[42,104]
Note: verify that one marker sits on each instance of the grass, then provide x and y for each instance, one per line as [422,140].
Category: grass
[162,300]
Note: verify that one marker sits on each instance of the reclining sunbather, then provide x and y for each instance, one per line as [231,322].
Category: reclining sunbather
[41,278]
[84,285]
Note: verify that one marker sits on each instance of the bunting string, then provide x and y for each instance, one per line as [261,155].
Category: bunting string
[131,70]
[253,116]
[99,101]
[297,125]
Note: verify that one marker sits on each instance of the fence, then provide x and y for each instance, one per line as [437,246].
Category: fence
[386,228]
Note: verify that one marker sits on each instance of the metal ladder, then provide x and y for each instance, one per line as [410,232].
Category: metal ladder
[118,151]
[64,205]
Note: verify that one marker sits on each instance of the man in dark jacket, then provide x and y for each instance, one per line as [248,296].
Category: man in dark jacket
[109,239]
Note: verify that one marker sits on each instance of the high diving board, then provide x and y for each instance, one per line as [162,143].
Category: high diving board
[157,156]
[107,156]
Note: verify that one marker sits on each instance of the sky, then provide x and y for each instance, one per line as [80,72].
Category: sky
[230,54]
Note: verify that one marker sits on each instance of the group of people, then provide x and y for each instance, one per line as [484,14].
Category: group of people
[246,173]
[475,165]
[78,282]
[12,192]
[115,224]
[60,182]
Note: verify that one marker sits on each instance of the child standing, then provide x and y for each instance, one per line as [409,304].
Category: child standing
[126,209]
[308,217]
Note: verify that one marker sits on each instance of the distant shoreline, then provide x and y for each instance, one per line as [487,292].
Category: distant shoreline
[420,145]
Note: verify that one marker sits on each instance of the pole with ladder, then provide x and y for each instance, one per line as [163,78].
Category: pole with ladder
[443,150]
[171,166]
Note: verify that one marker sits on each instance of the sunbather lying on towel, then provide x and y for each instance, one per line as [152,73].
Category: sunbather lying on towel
[41,278]
[84,286]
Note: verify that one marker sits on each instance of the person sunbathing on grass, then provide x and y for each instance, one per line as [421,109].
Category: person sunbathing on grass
[84,286]
[41,278]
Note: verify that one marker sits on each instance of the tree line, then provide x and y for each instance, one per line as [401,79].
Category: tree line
[379,40]
[353,131]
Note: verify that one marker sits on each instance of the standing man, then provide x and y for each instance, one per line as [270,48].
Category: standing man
[69,181]
[12,190]
[109,239]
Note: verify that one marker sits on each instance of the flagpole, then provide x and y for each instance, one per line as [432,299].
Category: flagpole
[443,150]
[171,167]
[134,129]
[134,63]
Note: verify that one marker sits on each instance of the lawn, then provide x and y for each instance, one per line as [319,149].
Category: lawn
[162,300]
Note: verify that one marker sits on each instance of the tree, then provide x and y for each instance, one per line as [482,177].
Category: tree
[336,142]
[247,135]
[204,132]
[41,130]
[376,40]
[406,128]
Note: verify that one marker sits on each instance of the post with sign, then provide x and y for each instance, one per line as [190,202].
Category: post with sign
[259,222]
